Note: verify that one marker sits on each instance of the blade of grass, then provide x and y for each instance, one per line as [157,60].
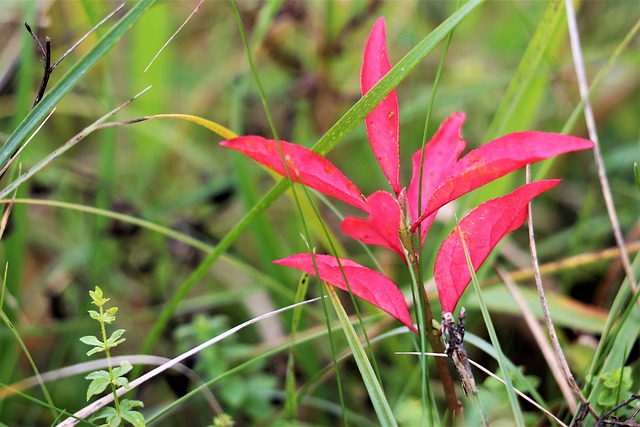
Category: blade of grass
[5,319]
[15,244]
[376,394]
[71,79]
[513,400]
[291,402]
[581,76]
[538,335]
[555,343]
[98,124]
[165,231]
[526,69]
[305,228]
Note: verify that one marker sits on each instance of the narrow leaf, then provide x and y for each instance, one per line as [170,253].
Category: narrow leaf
[98,374]
[440,154]
[381,227]
[304,166]
[134,417]
[115,336]
[482,229]
[123,369]
[121,382]
[97,386]
[374,388]
[496,159]
[91,340]
[383,123]
[95,350]
[365,283]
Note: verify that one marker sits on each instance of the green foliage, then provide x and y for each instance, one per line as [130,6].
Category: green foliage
[168,198]
[115,376]
[250,392]
[617,388]
[223,420]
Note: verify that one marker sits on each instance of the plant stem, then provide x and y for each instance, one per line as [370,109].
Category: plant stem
[406,239]
[436,345]
[108,355]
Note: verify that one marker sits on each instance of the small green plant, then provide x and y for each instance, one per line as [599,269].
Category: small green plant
[115,377]
[617,385]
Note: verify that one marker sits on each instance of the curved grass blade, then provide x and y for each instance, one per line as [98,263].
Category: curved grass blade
[526,69]
[374,389]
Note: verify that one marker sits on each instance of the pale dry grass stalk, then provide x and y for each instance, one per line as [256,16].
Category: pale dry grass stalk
[538,335]
[581,76]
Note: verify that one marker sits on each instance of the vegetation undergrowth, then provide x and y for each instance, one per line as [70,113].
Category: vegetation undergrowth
[100,185]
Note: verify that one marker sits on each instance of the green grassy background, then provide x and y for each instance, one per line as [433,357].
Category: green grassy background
[173,174]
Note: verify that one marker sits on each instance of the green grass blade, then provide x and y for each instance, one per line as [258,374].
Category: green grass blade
[526,69]
[71,79]
[513,399]
[291,402]
[376,394]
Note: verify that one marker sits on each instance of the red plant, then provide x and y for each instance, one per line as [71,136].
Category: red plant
[444,178]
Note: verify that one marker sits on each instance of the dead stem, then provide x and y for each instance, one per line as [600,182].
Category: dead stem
[578,61]
[545,310]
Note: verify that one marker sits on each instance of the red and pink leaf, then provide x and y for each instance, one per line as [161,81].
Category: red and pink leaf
[383,123]
[381,227]
[441,153]
[496,159]
[364,283]
[482,229]
[305,167]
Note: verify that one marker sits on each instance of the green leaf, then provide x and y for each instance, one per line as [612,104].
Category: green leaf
[97,386]
[134,417]
[607,399]
[121,382]
[636,171]
[95,350]
[108,412]
[109,315]
[98,374]
[114,338]
[127,405]
[122,369]
[94,315]
[97,296]
[91,340]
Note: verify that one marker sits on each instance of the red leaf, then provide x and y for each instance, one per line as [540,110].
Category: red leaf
[305,167]
[365,283]
[482,229]
[441,153]
[382,123]
[498,158]
[381,227]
